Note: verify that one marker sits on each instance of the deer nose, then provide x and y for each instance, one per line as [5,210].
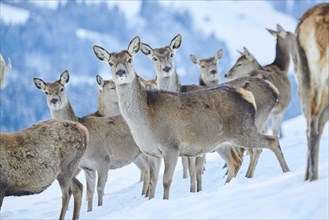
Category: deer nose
[120,72]
[53,101]
[166,69]
[213,71]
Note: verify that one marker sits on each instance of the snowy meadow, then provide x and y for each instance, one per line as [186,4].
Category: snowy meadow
[270,194]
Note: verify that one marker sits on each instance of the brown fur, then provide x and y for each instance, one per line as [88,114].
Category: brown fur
[276,73]
[33,158]
[167,124]
[110,147]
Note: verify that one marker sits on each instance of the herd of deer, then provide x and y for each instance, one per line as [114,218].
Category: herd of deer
[143,121]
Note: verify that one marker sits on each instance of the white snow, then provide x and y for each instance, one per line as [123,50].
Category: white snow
[238,23]
[271,194]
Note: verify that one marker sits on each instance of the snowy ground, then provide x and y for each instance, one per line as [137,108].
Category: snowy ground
[271,194]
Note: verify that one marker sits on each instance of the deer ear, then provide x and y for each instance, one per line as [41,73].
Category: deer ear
[146,50]
[134,46]
[101,53]
[39,83]
[100,82]
[219,54]
[239,52]
[65,77]
[249,56]
[194,59]
[282,32]
[176,42]
[274,33]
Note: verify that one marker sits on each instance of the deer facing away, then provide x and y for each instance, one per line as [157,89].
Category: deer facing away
[311,61]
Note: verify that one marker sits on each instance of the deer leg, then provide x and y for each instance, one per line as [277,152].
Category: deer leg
[314,132]
[199,162]
[276,123]
[191,168]
[254,156]
[170,160]
[64,183]
[77,188]
[234,163]
[155,164]
[102,178]
[272,143]
[145,173]
[91,182]
[313,149]
[185,166]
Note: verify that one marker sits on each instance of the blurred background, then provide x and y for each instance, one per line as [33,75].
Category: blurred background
[43,38]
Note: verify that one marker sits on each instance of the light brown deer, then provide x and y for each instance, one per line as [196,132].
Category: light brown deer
[33,158]
[167,80]
[311,58]
[111,145]
[209,75]
[166,124]
[263,95]
[4,69]
[276,73]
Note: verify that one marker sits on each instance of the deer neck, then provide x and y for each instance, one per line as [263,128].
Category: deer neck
[282,56]
[66,113]
[170,83]
[133,103]
[107,108]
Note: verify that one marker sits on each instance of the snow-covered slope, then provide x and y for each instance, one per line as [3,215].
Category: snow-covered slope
[271,194]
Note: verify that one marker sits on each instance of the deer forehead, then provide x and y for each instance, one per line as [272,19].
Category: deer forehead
[122,57]
[208,62]
[53,87]
[162,52]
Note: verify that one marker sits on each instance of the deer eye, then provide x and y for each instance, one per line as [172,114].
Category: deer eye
[62,89]
[202,66]
[130,60]
[154,58]
[110,63]
[171,55]
[47,93]
[239,64]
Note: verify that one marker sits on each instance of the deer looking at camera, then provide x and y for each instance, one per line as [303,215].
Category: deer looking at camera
[110,146]
[311,58]
[166,124]
[108,106]
[167,79]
